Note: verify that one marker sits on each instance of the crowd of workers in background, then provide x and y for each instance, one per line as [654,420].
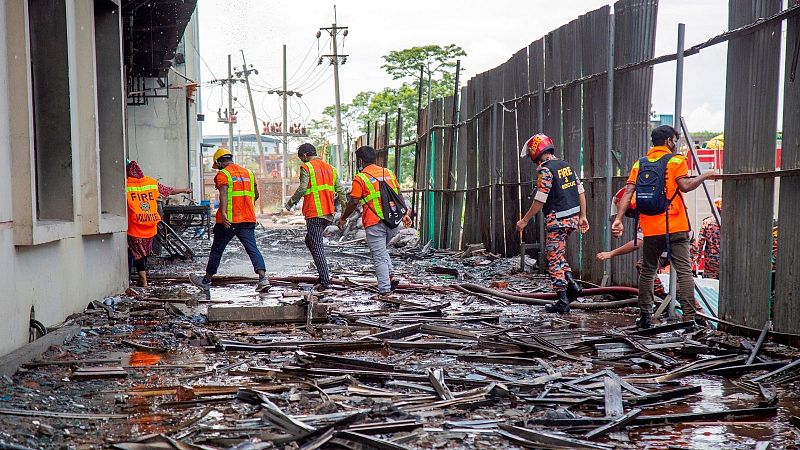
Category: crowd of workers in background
[652,199]
[375,188]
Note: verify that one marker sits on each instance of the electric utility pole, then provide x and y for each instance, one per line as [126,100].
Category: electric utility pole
[285,130]
[246,72]
[230,105]
[334,30]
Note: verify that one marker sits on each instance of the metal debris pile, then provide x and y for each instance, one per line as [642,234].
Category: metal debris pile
[441,366]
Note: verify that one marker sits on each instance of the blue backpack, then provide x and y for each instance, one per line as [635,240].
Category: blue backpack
[651,186]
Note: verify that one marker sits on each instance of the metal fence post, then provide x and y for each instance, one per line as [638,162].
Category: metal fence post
[607,276]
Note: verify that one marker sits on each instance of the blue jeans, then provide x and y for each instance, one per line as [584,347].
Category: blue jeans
[246,233]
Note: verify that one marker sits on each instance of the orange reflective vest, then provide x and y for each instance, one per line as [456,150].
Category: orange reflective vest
[370,194]
[241,194]
[142,194]
[318,200]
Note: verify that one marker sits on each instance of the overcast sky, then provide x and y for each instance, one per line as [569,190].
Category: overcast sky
[490,32]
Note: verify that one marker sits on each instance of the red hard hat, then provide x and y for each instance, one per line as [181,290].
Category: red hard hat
[618,195]
[631,212]
[536,145]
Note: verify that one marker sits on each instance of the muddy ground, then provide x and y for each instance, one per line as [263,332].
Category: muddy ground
[449,369]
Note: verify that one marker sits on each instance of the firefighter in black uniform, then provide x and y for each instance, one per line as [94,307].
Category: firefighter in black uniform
[559,193]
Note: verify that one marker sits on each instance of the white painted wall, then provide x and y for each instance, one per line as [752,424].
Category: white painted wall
[161,137]
[55,267]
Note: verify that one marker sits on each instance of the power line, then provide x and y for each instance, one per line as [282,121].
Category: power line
[311,81]
[309,70]
[308,52]
[307,91]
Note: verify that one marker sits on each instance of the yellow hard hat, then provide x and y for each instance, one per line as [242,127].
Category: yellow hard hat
[222,152]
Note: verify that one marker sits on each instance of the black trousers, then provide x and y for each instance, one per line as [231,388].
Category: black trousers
[315,226]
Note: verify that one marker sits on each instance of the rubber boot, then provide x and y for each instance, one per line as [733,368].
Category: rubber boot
[561,305]
[574,290]
[645,321]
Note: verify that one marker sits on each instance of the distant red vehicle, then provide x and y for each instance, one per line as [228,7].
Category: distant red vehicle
[711,156]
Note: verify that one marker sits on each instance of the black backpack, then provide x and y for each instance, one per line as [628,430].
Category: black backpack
[651,186]
[392,203]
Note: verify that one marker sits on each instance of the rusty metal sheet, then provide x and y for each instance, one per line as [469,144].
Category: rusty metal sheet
[751,108]
[634,41]
[422,181]
[445,198]
[460,159]
[510,176]
[594,32]
[471,234]
[571,106]
[787,275]
[484,127]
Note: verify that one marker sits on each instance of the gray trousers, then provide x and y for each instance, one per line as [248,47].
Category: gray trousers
[680,257]
[378,236]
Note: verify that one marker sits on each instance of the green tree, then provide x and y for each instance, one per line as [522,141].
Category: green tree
[435,59]
[439,63]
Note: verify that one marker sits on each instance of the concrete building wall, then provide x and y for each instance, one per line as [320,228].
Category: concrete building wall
[54,265]
[164,135]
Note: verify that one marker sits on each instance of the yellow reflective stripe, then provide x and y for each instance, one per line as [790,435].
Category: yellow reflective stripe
[236,193]
[373,196]
[314,188]
[148,187]
[675,160]
[636,164]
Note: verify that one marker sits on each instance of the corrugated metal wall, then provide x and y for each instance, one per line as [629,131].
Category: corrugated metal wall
[751,110]
[502,107]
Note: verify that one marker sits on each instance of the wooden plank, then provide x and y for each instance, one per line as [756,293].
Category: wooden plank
[422,175]
[634,41]
[509,152]
[60,415]
[484,213]
[446,198]
[751,100]
[436,378]
[471,234]
[595,100]
[550,438]
[11,362]
[706,416]
[759,343]
[438,160]
[369,441]
[459,173]
[396,333]
[267,314]
[780,370]
[495,94]
[552,76]
[98,373]
[786,302]
[616,424]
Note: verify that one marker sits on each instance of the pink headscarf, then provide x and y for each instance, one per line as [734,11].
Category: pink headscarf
[134,171]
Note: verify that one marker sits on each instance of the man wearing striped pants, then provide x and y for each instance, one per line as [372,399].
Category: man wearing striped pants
[318,184]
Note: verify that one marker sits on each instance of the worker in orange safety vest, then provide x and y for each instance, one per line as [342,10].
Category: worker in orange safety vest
[319,183]
[236,216]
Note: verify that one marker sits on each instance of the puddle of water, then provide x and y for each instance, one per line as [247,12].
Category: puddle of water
[720,394]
